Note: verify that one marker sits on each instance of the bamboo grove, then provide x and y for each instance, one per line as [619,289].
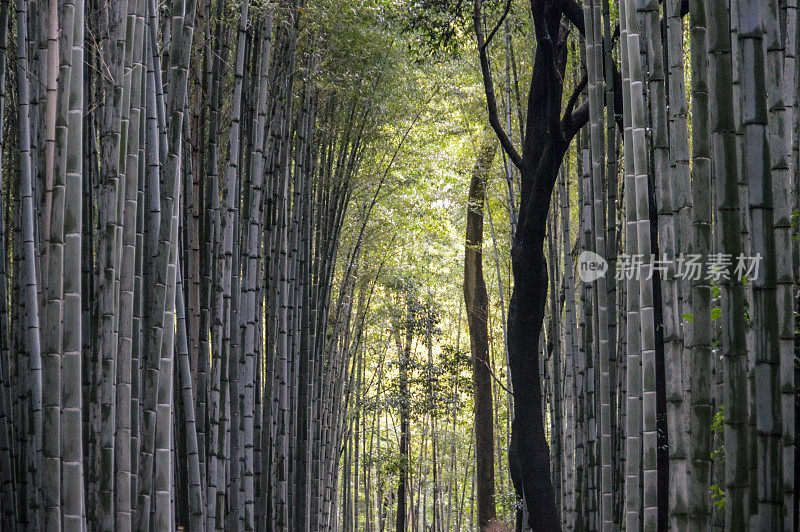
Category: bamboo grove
[175,178]
[399,264]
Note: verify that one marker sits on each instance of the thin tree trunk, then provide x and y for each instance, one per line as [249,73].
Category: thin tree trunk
[477,305]
[404,351]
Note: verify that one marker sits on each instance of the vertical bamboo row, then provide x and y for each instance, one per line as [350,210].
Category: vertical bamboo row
[594,59]
[53,261]
[633,397]
[73,473]
[760,185]
[569,515]
[676,360]
[702,409]
[589,327]
[253,269]
[734,328]
[30,348]
[777,27]
[112,186]
[192,455]
[6,421]
[640,170]
[133,140]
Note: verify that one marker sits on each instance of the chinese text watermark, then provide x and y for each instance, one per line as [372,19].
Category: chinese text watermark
[714,267]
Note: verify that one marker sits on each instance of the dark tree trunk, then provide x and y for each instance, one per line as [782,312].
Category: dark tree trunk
[525,319]
[405,428]
[662,454]
[477,304]
[548,133]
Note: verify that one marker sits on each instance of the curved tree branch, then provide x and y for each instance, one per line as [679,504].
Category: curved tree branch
[488,85]
[499,23]
[576,120]
[574,14]
[573,121]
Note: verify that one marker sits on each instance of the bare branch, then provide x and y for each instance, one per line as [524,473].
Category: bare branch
[574,14]
[570,119]
[488,85]
[576,120]
[498,381]
[497,26]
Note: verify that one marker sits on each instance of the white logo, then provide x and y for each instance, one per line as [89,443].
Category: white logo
[591,266]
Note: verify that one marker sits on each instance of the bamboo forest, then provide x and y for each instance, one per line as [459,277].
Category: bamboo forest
[399,265]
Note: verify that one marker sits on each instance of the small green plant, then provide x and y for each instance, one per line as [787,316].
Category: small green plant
[718,427]
[717,496]
[718,453]
[718,422]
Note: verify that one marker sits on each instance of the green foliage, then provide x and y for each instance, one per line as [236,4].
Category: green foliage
[392,464]
[435,28]
[718,428]
[717,496]
[443,30]
[456,365]
[432,117]
[718,422]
